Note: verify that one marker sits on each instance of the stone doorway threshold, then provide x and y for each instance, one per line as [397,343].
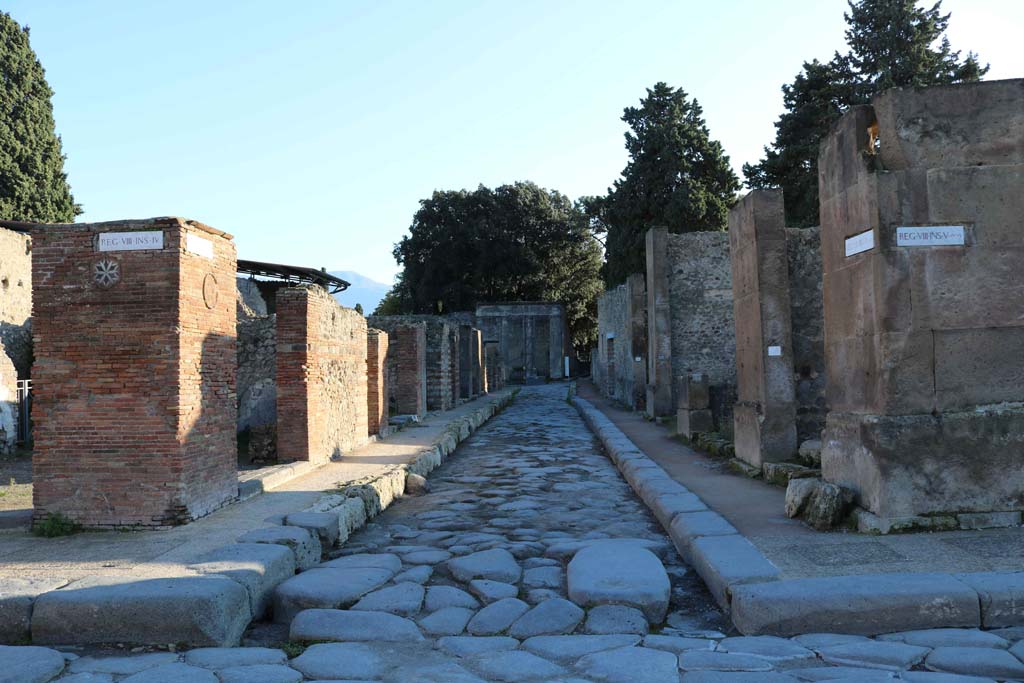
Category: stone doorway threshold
[778,576]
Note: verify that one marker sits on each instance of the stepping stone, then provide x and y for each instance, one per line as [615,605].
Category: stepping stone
[615,619]
[29,664]
[515,665]
[489,591]
[173,673]
[875,655]
[620,573]
[123,666]
[678,644]
[305,545]
[420,574]
[365,561]
[343,625]
[767,647]
[975,661]
[403,599]
[497,617]
[543,577]
[325,588]
[227,657]
[328,661]
[551,617]
[439,597]
[470,646]
[630,665]
[948,637]
[699,660]
[447,621]
[260,673]
[571,648]
[496,564]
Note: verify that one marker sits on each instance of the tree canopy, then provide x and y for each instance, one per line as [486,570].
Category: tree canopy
[33,185]
[892,43]
[516,242]
[677,177]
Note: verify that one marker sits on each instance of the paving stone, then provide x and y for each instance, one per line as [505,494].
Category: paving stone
[122,666]
[81,678]
[420,574]
[767,647]
[324,524]
[975,661]
[677,644]
[615,619]
[843,673]
[490,591]
[326,588]
[515,665]
[571,648]
[566,550]
[447,621]
[439,597]
[388,561]
[535,596]
[194,610]
[470,646]
[260,673]
[875,655]
[27,664]
[496,564]
[444,672]
[404,599]
[497,617]
[332,624]
[630,665]
[737,677]
[305,545]
[551,617]
[948,637]
[339,661]
[543,577]
[937,677]
[623,574]
[430,557]
[257,567]
[700,660]
[173,673]
[816,641]
[227,657]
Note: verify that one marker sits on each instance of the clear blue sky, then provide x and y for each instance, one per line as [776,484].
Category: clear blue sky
[311,130]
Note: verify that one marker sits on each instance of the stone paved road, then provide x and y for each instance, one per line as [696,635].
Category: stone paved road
[472,582]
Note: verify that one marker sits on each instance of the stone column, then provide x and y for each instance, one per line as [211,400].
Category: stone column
[764,415]
[134,412]
[659,325]
[922,246]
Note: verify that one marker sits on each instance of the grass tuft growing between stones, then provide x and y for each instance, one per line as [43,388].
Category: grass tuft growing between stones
[54,525]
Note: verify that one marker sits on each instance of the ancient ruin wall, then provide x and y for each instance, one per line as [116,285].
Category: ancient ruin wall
[257,359]
[803,246]
[621,329]
[376,380]
[321,375]
[16,299]
[441,362]
[406,367]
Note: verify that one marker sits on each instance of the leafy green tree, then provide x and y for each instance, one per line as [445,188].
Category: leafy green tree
[677,177]
[515,242]
[892,43]
[33,185]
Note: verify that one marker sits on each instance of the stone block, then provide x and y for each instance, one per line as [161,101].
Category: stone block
[327,587]
[690,422]
[324,524]
[694,391]
[688,526]
[726,562]
[862,605]
[780,473]
[197,611]
[305,545]
[257,567]
[667,506]
[16,599]
[988,520]
[763,434]
[619,574]
[1001,596]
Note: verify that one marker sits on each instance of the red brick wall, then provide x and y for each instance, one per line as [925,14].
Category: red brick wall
[376,380]
[321,376]
[134,383]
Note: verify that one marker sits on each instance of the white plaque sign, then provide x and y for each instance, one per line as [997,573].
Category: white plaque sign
[198,245]
[774,350]
[930,236]
[860,242]
[130,241]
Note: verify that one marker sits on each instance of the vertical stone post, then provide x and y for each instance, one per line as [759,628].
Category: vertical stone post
[376,380]
[465,358]
[476,352]
[659,325]
[134,325]
[922,242]
[455,364]
[765,412]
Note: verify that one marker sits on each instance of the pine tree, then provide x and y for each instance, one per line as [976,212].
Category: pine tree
[677,177]
[893,43]
[33,185]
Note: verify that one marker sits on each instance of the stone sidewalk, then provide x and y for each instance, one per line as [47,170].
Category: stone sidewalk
[844,581]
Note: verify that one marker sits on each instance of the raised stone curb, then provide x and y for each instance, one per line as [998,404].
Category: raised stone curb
[746,583]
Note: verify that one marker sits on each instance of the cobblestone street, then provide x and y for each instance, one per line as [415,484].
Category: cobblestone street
[501,573]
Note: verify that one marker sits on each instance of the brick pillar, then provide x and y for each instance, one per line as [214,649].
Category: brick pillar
[321,375]
[376,380]
[922,249]
[659,325]
[407,364]
[134,326]
[764,416]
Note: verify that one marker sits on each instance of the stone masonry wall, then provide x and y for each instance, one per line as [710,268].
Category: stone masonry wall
[406,366]
[621,322]
[441,363]
[803,247]
[16,299]
[135,372]
[376,380]
[321,375]
[257,359]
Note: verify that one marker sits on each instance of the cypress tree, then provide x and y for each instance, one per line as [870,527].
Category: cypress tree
[33,185]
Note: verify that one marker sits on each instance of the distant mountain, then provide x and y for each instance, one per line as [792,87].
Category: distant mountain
[363,291]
